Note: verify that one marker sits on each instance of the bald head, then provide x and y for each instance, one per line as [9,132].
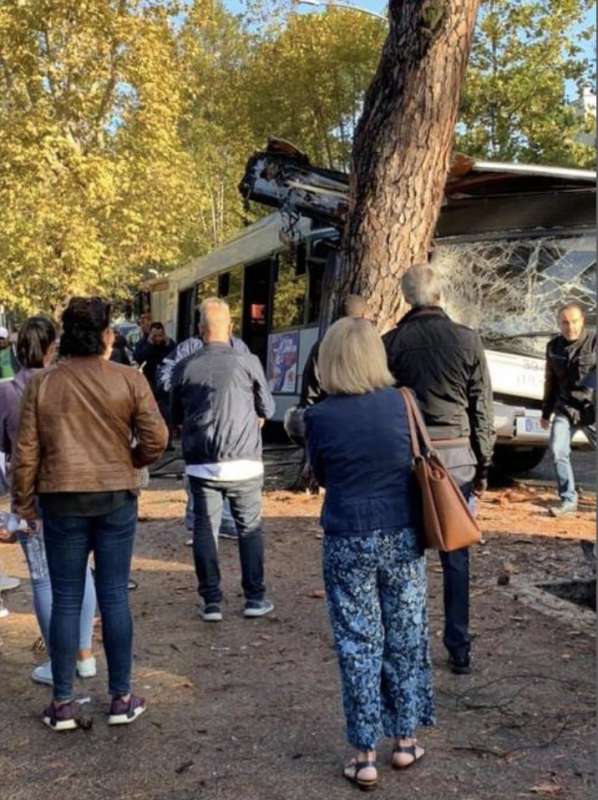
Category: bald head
[355,306]
[214,320]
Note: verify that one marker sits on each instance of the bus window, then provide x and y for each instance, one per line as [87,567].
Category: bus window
[289,296]
[207,288]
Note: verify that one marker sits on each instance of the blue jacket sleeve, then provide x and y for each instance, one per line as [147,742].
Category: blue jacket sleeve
[264,402]
[311,438]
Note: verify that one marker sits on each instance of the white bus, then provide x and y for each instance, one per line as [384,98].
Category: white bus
[514,242]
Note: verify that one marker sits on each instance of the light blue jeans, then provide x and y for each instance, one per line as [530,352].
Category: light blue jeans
[560,444]
[35,553]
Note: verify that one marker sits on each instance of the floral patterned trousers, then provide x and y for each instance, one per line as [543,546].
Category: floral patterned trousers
[376,592]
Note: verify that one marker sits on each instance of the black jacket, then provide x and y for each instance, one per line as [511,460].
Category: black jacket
[567,384]
[311,389]
[218,395]
[444,363]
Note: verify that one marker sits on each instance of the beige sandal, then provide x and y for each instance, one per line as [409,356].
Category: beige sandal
[351,773]
[410,750]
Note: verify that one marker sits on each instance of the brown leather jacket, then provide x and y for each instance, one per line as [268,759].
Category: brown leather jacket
[78,420]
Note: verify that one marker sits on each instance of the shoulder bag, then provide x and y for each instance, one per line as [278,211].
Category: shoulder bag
[448,524]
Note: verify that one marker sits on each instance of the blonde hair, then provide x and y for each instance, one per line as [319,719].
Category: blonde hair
[352,359]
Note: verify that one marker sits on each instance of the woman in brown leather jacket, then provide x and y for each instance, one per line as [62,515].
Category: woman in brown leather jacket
[74,451]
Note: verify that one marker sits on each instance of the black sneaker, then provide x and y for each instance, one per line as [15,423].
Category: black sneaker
[460,665]
[257,608]
[60,718]
[123,712]
[211,613]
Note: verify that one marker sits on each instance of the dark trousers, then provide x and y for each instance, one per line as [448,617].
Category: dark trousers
[245,499]
[69,540]
[455,565]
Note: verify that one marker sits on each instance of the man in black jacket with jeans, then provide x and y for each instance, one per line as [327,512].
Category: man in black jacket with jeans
[570,362]
[445,365]
[221,398]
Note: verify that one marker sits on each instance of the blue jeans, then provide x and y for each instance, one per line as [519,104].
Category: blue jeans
[42,592]
[246,507]
[228,523]
[455,565]
[560,444]
[69,541]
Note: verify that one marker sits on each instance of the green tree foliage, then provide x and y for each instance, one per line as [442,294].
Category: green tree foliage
[514,107]
[309,79]
[92,171]
[125,125]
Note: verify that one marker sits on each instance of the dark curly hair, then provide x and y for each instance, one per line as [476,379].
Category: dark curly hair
[83,323]
[36,336]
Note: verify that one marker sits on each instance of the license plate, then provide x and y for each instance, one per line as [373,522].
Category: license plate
[530,427]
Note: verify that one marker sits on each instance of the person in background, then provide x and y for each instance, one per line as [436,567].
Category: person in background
[139,341]
[221,398]
[120,350]
[9,364]
[183,351]
[445,365]
[158,347]
[75,459]
[568,394]
[311,389]
[36,350]
[374,567]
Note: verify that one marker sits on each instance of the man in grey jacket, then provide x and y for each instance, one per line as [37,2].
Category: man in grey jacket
[221,398]
[187,348]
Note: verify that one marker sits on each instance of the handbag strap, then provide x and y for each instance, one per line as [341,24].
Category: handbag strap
[416,419]
[415,448]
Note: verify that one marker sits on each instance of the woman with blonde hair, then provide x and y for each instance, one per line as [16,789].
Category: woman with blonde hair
[374,568]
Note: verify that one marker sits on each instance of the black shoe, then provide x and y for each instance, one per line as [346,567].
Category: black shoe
[460,665]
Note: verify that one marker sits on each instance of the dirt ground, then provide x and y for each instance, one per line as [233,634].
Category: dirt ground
[250,709]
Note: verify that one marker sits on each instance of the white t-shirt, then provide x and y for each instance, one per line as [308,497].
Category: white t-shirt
[242,470]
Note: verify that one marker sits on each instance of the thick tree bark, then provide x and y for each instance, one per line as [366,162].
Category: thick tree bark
[402,149]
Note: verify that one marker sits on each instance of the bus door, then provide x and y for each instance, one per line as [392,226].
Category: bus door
[185,327]
[257,307]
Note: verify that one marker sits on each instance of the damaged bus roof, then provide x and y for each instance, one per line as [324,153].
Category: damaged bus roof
[480,196]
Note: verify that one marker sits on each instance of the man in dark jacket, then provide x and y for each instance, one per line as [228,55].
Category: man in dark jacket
[221,398]
[445,365]
[570,361]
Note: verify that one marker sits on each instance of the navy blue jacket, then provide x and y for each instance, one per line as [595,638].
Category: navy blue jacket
[360,450]
[218,395]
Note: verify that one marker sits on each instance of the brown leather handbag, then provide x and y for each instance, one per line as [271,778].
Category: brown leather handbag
[448,524]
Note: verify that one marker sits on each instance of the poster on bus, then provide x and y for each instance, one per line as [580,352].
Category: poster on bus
[283,359]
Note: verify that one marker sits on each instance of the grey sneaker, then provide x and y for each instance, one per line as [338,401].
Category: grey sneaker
[564,509]
[257,608]
[211,613]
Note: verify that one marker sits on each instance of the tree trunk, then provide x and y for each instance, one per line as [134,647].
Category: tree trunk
[402,149]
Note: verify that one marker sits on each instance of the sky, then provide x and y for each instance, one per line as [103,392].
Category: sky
[380,6]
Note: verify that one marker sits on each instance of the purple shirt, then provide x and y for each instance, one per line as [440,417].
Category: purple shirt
[11,393]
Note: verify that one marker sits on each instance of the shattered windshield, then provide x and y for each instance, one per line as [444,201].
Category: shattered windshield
[511,290]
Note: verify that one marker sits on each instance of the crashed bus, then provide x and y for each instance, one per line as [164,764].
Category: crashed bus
[513,242]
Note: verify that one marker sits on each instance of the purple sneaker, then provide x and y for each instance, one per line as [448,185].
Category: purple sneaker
[123,712]
[60,718]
